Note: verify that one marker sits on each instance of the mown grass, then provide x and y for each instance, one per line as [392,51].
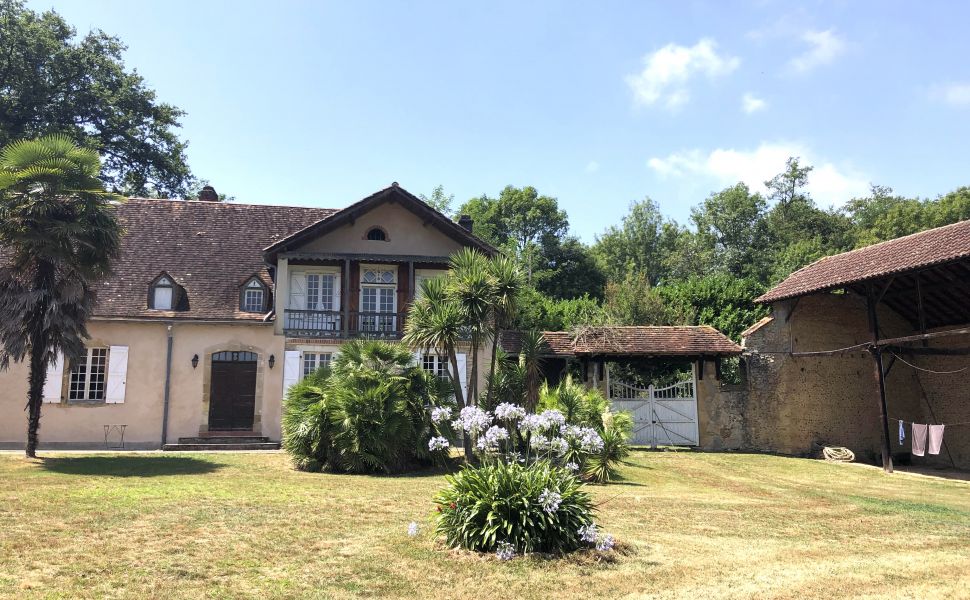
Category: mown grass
[691,526]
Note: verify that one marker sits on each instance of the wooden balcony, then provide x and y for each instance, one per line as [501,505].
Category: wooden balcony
[342,324]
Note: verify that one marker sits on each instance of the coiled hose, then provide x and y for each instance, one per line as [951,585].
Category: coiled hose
[837,454]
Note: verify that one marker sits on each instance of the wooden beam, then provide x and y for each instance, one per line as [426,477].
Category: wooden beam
[928,351]
[923,336]
[871,301]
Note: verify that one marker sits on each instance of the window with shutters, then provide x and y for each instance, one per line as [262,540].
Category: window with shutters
[88,376]
[315,360]
[436,365]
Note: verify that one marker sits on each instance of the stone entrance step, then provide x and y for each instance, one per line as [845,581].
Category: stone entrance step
[252,442]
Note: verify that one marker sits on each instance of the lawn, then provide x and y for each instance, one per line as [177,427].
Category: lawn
[691,525]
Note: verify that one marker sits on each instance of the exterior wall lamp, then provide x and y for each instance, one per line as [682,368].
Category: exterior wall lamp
[195,361]
[272,360]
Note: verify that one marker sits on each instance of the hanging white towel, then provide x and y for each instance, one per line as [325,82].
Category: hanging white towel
[902,433]
[935,439]
[919,439]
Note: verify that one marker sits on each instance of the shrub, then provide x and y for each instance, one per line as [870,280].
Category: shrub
[602,465]
[532,508]
[368,413]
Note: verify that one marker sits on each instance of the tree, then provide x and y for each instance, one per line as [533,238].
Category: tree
[639,244]
[58,235]
[472,286]
[571,271]
[438,200]
[722,301]
[52,82]
[522,222]
[634,301]
[732,228]
[437,322]
[508,285]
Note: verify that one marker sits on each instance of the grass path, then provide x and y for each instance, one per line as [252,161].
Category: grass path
[692,526]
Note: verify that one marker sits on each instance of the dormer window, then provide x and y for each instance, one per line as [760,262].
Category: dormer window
[162,294]
[254,296]
[377,234]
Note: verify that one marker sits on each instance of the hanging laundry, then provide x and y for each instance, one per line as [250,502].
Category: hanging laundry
[935,439]
[919,439]
[902,433]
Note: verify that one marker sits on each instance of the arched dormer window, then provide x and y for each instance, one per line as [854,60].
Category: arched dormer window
[162,294]
[376,234]
[253,296]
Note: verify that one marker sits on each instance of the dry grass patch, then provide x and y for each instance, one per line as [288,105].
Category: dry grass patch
[690,525]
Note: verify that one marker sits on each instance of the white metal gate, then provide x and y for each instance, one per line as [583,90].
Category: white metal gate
[665,416]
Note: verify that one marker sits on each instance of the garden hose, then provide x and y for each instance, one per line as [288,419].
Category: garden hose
[838,454]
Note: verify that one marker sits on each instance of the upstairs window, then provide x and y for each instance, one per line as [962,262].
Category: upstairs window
[162,294]
[254,296]
[376,234]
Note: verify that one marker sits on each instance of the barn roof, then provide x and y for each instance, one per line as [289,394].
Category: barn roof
[701,340]
[935,262]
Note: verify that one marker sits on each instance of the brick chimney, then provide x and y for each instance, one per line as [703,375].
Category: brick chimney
[467,222]
[208,194]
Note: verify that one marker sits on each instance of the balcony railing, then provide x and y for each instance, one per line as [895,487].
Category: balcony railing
[343,324]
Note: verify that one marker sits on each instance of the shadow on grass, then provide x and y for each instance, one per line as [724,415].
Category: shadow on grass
[129,466]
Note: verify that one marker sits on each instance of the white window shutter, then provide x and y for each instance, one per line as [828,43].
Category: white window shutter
[291,369]
[297,291]
[462,376]
[336,292]
[117,374]
[55,380]
[419,358]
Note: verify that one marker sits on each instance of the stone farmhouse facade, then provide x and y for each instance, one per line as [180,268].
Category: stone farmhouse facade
[215,308]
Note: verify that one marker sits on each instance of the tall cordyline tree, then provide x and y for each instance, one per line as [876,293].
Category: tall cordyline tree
[508,284]
[436,322]
[472,286]
[58,235]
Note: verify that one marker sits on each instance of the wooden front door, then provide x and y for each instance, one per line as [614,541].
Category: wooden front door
[232,391]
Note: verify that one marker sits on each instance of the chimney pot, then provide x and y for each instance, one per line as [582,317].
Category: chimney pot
[467,222]
[208,194]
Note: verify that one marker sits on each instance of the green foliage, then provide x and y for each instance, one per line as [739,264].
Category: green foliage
[721,301]
[367,414]
[439,200]
[883,216]
[538,311]
[59,235]
[732,231]
[602,466]
[634,301]
[484,506]
[54,82]
[639,244]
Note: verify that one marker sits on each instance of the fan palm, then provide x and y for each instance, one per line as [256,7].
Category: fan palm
[58,235]
[530,359]
[473,288]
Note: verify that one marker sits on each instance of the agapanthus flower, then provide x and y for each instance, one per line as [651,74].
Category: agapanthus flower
[590,441]
[491,438]
[539,442]
[412,529]
[588,533]
[532,424]
[437,443]
[605,543]
[440,413]
[558,446]
[553,418]
[474,420]
[550,500]
[509,412]
[505,551]
[572,466]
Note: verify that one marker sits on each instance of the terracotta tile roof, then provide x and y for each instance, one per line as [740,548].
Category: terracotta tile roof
[632,341]
[916,251]
[210,248]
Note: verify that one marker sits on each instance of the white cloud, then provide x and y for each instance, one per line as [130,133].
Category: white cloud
[825,47]
[592,166]
[752,104]
[667,72]
[954,94]
[828,183]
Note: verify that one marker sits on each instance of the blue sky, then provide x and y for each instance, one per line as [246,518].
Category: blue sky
[596,103]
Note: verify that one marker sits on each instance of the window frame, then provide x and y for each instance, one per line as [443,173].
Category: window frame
[164,281]
[308,366]
[248,287]
[376,228]
[88,371]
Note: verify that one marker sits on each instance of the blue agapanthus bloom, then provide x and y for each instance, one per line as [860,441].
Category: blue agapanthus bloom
[550,500]
[505,551]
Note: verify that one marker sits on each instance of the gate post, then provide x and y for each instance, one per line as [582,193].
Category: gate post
[653,418]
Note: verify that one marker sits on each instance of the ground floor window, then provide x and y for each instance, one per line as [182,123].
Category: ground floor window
[436,365]
[314,360]
[88,375]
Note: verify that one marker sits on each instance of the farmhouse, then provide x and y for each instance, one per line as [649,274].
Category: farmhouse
[214,309]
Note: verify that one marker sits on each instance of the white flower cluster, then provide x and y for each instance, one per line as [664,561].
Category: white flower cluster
[605,543]
[472,420]
[505,551]
[437,443]
[440,414]
[550,500]
[572,466]
[489,441]
[507,411]
[591,535]
[412,529]
[586,437]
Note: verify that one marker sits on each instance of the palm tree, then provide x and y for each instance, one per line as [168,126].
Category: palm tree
[530,360]
[437,322]
[472,286]
[57,237]
[508,284]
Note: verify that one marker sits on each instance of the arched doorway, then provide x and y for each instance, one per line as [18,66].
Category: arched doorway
[232,392]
